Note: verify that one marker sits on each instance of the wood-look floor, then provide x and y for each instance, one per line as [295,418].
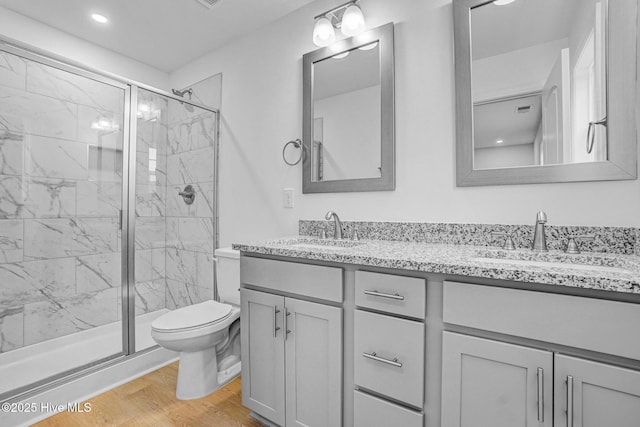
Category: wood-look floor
[151,401]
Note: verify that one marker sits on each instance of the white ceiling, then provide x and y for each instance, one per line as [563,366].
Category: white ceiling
[501,121]
[165,34]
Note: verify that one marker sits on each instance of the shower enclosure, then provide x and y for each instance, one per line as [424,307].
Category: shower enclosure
[95,239]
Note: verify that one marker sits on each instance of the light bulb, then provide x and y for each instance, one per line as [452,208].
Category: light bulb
[502,2]
[352,21]
[323,32]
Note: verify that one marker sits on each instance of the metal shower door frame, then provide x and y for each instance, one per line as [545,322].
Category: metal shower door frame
[127,214]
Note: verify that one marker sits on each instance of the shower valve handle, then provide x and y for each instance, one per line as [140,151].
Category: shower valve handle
[188,194]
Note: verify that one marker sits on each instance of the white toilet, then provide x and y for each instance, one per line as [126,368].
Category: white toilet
[207,334]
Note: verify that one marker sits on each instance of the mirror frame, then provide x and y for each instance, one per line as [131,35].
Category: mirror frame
[622,155]
[387,180]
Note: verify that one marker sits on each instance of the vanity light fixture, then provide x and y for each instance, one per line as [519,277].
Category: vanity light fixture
[502,2]
[341,55]
[347,17]
[99,18]
[323,32]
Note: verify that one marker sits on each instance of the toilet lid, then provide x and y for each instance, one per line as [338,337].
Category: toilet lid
[193,316]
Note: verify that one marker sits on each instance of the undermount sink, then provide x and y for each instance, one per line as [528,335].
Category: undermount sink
[325,244]
[550,264]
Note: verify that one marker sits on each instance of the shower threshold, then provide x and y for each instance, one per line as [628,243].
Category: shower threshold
[32,364]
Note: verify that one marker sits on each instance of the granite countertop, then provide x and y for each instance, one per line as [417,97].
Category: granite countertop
[609,272]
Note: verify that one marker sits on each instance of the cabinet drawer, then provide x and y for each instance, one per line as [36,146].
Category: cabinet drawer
[378,340]
[371,411]
[393,294]
[303,279]
[588,323]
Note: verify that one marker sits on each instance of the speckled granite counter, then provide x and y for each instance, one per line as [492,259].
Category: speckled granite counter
[609,272]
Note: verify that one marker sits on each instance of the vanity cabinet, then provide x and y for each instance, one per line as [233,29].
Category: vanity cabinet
[487,382]
[595,394]
[291,348]
[389,350]
[491,382]
[337,344]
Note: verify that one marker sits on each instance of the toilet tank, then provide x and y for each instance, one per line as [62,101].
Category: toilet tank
[228,275]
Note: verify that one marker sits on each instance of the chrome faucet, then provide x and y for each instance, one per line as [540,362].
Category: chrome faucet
[337,234]
[539,237]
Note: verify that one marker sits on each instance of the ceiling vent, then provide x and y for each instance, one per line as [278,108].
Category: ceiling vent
[523,109]
[208,3]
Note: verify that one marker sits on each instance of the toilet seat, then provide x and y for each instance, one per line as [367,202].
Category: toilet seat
[192,317]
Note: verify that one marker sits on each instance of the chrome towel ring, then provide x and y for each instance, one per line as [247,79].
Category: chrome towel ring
[297,144]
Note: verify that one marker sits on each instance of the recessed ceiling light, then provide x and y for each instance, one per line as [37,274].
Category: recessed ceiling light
[99,18]
[499,141]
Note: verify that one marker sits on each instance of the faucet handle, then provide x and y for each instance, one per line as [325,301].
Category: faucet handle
[355,236]
[323,233]
[541,217]
[508,240]
[572,245]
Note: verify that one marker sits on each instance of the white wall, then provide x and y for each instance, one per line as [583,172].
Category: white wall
[350,134]
[262,110]
[516,72]
[26,30]
[503,157]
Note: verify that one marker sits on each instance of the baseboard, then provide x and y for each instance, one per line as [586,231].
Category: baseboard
[81,389]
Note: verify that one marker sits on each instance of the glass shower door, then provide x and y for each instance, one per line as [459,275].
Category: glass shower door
[175,236]
[61,185]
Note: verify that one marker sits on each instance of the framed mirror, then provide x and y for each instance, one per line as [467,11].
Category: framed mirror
[348,115]
[545,91]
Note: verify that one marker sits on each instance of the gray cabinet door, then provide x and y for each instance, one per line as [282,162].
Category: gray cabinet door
[263,354]
[591,394]
[313,349]
[487,383]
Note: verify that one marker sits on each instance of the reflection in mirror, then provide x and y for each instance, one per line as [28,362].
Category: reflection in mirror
[346,115]
[539,83]
[545,90]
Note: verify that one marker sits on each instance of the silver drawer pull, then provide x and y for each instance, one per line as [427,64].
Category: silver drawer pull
[373,356]
[383,295]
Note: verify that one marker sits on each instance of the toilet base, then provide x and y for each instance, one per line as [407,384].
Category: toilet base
[197,374]
[192,384]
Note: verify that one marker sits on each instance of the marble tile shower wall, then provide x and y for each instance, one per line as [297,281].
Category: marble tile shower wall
[60,195]
[174,241]
[190,228]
